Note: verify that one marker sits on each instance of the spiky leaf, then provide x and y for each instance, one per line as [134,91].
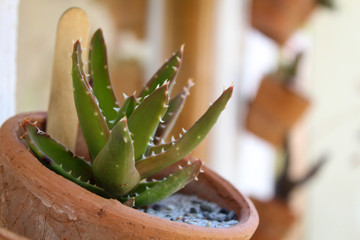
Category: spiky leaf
[176,105]
[91,120]
[142,187]
[169,185]
[145,119]
[187,142]
[50,151]
[126,109]
[100,78]
[167,72]
[114,166]
[156,149]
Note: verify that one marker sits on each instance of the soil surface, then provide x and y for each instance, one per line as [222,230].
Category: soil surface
[192,210]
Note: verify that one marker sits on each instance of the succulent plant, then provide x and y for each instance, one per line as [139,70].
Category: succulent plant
[126,143]
[327,3]
[285,183]
[288,71]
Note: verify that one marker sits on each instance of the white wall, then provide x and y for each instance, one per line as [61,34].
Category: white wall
[333,206]
[8,33]
[230,26]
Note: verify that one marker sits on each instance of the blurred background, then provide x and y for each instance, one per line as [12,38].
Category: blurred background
[240,43]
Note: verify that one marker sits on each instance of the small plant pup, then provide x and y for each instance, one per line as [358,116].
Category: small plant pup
[276,106]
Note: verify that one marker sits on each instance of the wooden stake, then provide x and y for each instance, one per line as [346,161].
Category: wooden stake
[62,122]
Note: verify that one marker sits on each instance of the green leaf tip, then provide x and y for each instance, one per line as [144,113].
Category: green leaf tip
[188,142]
[114,166]
[146,117]
[167,72]
[92,122]
[100,77]
[176,105]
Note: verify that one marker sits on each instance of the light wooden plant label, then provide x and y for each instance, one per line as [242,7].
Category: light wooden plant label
[62,122]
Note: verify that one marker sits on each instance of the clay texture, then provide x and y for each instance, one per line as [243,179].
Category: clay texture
[39,204]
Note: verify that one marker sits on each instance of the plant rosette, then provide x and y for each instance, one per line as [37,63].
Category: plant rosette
[128,146]
[40,204]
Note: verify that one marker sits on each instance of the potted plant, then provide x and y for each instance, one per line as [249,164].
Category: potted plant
[126,146]
[276,106]
[278,19]
[277,217]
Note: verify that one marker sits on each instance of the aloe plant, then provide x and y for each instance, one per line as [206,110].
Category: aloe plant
[126,143]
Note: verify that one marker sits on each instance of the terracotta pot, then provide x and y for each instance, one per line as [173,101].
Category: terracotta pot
[39,204]
[278,19]
[276,220]
[275,109]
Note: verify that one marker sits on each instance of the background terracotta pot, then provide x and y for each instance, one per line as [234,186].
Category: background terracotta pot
[40,204]
[274,110]
[276,219]
[278,19]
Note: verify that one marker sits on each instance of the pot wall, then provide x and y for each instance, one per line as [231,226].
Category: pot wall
[39,204]
[278,19]
[274,111]
[276,220]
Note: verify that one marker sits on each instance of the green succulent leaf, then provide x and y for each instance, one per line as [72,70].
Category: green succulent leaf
[145,119]
[114,166]
[152,164]
[176,105]
[126,109]
[92,122]
[63,162]
[142,187]
[167,72]
[170,185]
[87,185]
[100,78]
[156,149]
[51,152]
[66,174]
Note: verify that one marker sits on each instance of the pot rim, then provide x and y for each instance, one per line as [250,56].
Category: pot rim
[109,210]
